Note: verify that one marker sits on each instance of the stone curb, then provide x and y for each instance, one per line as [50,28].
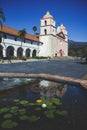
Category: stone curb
[56,78]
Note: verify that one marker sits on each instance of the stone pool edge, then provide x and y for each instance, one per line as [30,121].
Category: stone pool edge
[47,77]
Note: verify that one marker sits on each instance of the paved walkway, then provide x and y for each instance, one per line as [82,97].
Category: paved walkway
[67,68]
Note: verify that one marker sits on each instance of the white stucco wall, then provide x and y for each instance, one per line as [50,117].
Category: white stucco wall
[49,47]
[9,41]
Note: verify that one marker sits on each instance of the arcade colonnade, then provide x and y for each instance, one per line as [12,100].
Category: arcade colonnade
[18,51]
[12,45]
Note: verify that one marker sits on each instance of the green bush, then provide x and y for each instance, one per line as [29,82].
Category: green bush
[41,57]
[24,58]
[13,58]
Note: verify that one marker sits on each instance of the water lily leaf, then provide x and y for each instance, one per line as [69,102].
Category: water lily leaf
[9,124]
[51,107]
[16,100]
[31,104]
[14,109]
[4,109]
[6,116]
[62,113]
[49,114]
[33,118]
[56,101]
[22,111]
[24,117]
[37,108]
[24,102]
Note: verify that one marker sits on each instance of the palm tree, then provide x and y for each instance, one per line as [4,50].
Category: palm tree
[2,19]
[34,29]
[22,33]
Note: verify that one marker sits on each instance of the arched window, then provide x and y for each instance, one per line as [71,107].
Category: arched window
[9,51]
[34,53]
[1,50]
[45,22]
[19,52]
[45,31]
[28,52]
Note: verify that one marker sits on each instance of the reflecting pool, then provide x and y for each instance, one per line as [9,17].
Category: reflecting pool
[37,104]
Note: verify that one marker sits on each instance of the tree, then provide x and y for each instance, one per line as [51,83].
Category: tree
[22,33]
[34,29]
[2,19]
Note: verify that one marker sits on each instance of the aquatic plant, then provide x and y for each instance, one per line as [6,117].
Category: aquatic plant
[49,114]
[44,105]
[24,117]
[24,102]
[39,101]
[22,111]
[16,100]
[37,109]
[62,112]
[9,124]
[6,116]
[56,101]
[4,109]
[14,109]
[31,103]
[33,118]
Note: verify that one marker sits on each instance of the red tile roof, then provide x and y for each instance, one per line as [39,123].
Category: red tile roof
[12,31]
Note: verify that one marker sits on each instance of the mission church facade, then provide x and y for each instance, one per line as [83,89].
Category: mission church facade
[50,42]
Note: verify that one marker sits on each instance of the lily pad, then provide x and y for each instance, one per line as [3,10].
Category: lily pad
[31,104]
[9,124]
[4,109]
[24,117]
[56,101]
[22,111]
[49,114]
[6,116]
[62,113]
[37,108]
[16,100]
[24,102]
[14,109]
[33,118]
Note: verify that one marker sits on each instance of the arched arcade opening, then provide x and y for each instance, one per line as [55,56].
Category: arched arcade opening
[10,51]
[34,53]
[19,52]
[28,52]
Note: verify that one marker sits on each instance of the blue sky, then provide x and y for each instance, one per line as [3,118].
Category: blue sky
[27,13]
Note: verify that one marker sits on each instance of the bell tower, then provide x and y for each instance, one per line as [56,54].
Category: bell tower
[48,35]
[47,25]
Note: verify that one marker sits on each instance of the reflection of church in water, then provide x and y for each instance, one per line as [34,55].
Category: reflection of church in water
[50,42]
[50,89]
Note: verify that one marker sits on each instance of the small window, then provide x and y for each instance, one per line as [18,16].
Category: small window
[45,31]
[31,42]
[45,22]
[15,38]
[24,40]
[5,36]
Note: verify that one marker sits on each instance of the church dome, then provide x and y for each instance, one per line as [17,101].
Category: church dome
[47,15]
[62,27]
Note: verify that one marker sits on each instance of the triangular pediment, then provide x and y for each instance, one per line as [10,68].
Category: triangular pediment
[61,34]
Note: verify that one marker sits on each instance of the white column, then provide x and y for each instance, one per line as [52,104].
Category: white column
[31,53]
[4,52]
[15,52]
[24,52]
